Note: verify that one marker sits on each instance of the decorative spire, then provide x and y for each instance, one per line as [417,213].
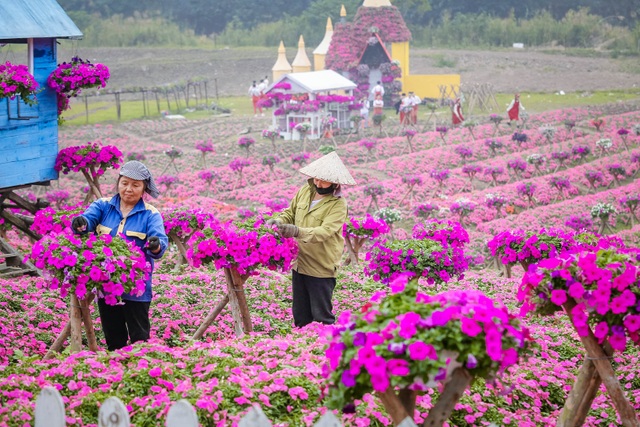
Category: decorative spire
[282,65]
[301,62]
[343,13]
[321,51]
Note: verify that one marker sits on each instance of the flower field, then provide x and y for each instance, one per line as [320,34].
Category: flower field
[564,173]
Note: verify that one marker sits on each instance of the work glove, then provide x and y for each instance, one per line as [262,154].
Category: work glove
[79,224]
[153,243]
[288,230]
[272,221]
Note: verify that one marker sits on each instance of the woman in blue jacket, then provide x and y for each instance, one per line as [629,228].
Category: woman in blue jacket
[127,215]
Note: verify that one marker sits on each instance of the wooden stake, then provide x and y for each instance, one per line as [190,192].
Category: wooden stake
[453,390]
[602,363]
[57,344]
[238,301]
[75,319]
[210,318]
[88,321]
[394,406]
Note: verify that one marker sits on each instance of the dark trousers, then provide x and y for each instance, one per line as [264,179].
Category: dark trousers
[312,299]
[123,322]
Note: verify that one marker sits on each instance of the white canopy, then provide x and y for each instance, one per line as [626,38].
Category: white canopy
[315,82]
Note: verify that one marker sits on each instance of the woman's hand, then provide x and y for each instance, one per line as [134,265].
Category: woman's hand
[154,244]
[79,224]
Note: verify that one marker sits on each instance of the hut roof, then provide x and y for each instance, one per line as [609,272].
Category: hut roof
[26,19]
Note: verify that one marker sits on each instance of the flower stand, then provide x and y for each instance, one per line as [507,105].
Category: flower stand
[237,299]
[595,370]
[79,316]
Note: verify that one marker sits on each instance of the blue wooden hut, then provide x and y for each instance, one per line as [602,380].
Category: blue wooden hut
[29,134]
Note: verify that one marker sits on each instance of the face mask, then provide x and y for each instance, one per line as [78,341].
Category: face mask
[325,191]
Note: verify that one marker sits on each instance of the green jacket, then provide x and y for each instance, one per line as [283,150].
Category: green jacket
[320,238]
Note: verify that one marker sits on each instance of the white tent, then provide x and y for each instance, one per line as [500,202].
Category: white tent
[313,83]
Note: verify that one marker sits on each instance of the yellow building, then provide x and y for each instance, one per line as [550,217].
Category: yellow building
[282,66]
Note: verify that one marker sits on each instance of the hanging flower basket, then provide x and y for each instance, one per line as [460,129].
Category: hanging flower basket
[68,79]
[81,264]
[15,80]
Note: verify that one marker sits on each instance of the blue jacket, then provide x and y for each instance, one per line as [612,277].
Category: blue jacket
[104,217]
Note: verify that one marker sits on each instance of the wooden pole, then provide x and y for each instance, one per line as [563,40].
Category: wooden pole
[238,301]
[75,319]
[453,390]
[210,318]
[602,362]
[88,322]
[57,344]
[86,109]
[394,406]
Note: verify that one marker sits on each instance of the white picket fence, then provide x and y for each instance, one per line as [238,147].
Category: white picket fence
[50,412]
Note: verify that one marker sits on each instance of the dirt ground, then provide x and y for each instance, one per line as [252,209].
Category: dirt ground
[232,70]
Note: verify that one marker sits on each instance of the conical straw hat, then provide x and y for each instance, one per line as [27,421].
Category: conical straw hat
[329,168]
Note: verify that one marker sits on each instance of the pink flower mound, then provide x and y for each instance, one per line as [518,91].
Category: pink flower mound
[80,264]
[183,222]
[367,227]
[527,247]
[92,158]
[412,340]
[48,221]
[599,286]
[15,80]
[242,245]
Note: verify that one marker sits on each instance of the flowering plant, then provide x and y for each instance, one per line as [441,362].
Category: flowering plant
[374,190]
[440,175]
[205,146]
[517,165]
[526,189]
[245,246]
[300,158]
[80,264]
[134,155]
[208,176]
[493,172]
[604,143]
[270,133]
[597,123]
[413,341]
[560,156]
[167,180]
[493,145]
[462,207]
[425,210]
[388,260]
[277,204]
[464,152]
[326,149]
[238,164]
[68,79]
[412,179]
[173,153]
[303,127]
[535,159]
[183,222]
[270,160]
[603,210]
[15,80]
[246,141]
[368,227]
[58,197]
[389,215]
[581,151]
[519,137]
[529,247]
[495,119]
[559,182]
[548,132]
[93,157]
[578,223]
[495,200]
[50,221]
[593,177]
[369,144]
[596,288]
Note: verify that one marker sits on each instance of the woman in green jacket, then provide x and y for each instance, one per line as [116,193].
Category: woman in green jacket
[315,218]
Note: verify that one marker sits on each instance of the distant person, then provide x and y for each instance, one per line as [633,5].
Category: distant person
[405,109]
[378,104]
[265,81]
[364,112]
[254,92]
[415,102]
[513,110]
[456,112]
[378,89]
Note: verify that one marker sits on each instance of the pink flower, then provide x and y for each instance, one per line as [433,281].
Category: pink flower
[398,367]
[601,331]
[558,296]
[576,290]
[618,341]
[632,322]
[470,327]
[420,351]
[155,372]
